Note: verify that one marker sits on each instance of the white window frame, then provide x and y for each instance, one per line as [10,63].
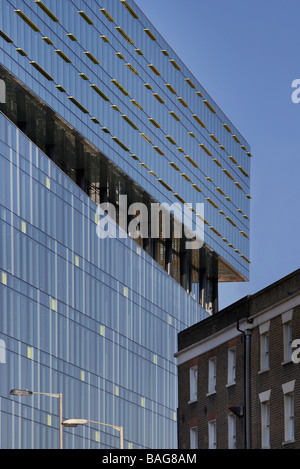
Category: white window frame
[194,438]
[231,366]
[264,346]
[287,342]
[193,383]
[289,417]
[212,434]
[264,398]
[287,335]
[265,424]
[231,419]
[212,375]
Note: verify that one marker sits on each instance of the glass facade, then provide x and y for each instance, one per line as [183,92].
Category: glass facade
[95,104]
[94,319]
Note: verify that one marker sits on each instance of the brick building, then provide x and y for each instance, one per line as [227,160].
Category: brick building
[239,377]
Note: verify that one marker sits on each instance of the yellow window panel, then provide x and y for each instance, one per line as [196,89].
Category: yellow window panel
[83,76]
[211,202]
[41,70]
[145,137]
[5,37]
[163,183]
[214,138]
[174,115]
[23,227]
[21,52]
[232,159]
[129,121]
[226,127]
[196,187]
[133,101]
[120,87]
[115,139]
[47,11]
[205,149]
[185,177]
[74,101]
[85,17]
[170,88]
[30,353]
[156,148]
[63,56]
[154,123]
[236,138]
[182,102]
[230,221]
[27,20]
[92,58]
[156,95]
[215,160]
[132,69]
[209,106]
[190,83]
[243,171]
[47,40]
[4,278]
[125,36]
[72,37]
[150,34]
[198,120]
[228,174]
[107,15]
[154,69]
[168,137]
[104,38]
[128,7]
[175,65]
[60,88]
[174,165]
[179,198]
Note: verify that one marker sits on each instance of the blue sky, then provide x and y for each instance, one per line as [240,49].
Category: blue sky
[246,55]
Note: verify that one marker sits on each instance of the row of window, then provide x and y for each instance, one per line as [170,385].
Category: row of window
[212,434]
[212,375]
[74,101]
[265,419]
[231,362]
[289,415]
[264,330]
[95,61]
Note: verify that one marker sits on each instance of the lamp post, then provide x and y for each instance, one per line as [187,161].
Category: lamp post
[21,392]
[75,422]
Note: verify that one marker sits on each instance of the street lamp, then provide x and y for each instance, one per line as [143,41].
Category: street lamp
[75,422]
[26,392]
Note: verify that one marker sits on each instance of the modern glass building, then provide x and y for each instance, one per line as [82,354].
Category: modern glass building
[98,110]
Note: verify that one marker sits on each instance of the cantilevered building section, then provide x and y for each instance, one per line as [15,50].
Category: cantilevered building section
[96,106]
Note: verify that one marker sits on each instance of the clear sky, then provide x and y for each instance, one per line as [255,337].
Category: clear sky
[246,55]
